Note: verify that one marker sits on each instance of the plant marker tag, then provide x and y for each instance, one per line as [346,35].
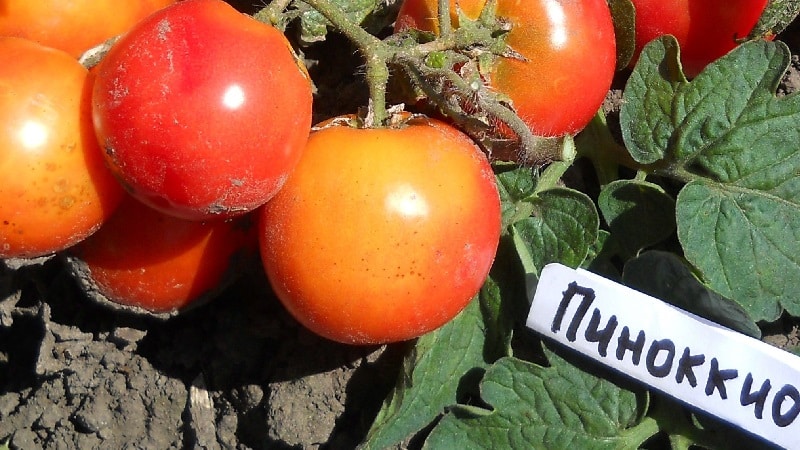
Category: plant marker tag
[741,380]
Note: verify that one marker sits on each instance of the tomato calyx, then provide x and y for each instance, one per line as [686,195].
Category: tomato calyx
[452,70]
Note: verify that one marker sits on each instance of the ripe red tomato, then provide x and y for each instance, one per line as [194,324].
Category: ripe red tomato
[55,188]
[705,30]
[144,259]
[570,50]
[202,110]
[73,26]
[382,235]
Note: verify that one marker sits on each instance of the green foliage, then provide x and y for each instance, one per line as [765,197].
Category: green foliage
[664,275]
[624,15]
[563,225]
[436,369]
[555,407]
[739,214]
[640,213]
[314,26]
[708,220]
[776,17]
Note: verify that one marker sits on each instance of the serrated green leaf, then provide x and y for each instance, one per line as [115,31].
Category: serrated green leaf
[665,276]
[556,407]
[638,213]
[647,117]
[754,255]
[738,145]
[563,226]
[441,365]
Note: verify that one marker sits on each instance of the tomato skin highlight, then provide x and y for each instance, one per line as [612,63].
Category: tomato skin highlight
[706,30]
[73,26]
[148,260]
[56,190]
[382,235]
[570,50]
[202,111]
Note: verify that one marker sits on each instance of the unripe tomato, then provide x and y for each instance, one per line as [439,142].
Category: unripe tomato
[382,235]
[705,30]
[55,188]
[570,53]
[202,111]
[147,260]
[76,25]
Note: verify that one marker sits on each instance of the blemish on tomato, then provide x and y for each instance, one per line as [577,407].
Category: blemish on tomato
[164,27]
[66,202]
[61,186]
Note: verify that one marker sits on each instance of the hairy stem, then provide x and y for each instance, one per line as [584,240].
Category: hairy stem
[273,14]
[375,53]
[445,27]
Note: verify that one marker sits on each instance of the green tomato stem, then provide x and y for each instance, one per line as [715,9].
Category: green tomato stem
[375,53]
[445,27]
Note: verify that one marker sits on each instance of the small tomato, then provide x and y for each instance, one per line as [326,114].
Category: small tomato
[73,26]
[144,259]
[202,111]
[56,190]
[382,235]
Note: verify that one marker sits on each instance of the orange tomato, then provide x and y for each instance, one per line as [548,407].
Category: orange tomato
[570,53]
[76,25]
[382,235]
[145,259]
[56,189]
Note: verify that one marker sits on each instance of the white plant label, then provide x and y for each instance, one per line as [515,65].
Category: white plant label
[732,376]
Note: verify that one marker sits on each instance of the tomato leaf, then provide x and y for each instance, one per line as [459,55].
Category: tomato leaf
[440,366]
[776,17]
[646,119]
[624,15]
[739,212]
[600,259]
[638,213]
[314,26]
[563,226]
[665,276]
[515,186]
[558,407]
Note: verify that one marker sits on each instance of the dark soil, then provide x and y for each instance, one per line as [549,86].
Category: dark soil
[236,373]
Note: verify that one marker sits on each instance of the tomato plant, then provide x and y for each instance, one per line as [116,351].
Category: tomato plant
[705,30]
[73,26]
[202,111]
[381,235]
[56,190]
[564,46]
[145,259]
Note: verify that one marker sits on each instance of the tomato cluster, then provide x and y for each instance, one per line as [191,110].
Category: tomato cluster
[189,146]
[143,171]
